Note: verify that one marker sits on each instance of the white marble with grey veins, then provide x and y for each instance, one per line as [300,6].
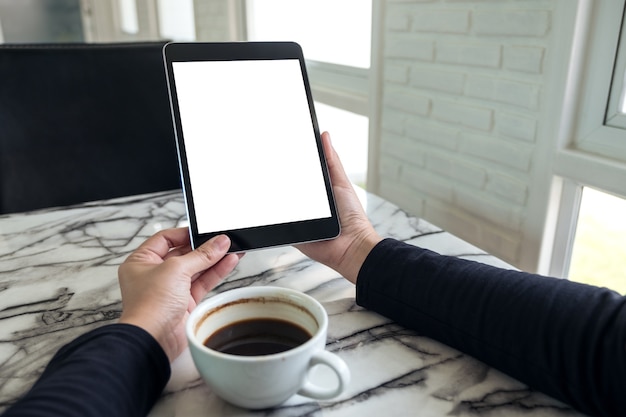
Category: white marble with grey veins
[58,280]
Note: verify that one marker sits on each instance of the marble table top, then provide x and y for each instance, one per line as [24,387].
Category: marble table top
[58,279]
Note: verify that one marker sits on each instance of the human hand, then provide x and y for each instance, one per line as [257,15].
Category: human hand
[348,251]
[163,280]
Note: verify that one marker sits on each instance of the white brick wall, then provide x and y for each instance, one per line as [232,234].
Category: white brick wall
[462,89]
[513,22]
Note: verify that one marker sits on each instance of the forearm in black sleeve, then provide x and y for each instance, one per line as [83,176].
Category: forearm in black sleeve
[565,339]
[117,370]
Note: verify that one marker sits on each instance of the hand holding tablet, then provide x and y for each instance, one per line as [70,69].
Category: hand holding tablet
[249,147]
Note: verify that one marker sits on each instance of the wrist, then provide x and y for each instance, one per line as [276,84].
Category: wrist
[154,328]
[350,264]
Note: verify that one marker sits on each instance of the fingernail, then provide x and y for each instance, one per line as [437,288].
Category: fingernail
[222,242]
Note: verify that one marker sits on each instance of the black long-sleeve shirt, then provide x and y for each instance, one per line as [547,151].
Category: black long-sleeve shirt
[116,370]
[563,338]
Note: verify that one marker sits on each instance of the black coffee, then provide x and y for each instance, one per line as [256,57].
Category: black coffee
[255,337]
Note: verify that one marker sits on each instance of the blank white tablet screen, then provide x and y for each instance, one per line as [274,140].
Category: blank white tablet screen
[250,144]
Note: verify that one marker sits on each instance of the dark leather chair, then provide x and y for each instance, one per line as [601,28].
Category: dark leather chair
[83,122]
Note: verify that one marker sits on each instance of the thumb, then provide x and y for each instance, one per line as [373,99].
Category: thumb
[206,255]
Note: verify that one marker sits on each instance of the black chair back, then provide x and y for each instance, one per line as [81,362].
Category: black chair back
[83,122]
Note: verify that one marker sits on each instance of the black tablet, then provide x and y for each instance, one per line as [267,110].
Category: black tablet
[251,158]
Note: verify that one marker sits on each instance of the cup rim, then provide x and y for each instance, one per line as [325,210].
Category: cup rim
[250,292]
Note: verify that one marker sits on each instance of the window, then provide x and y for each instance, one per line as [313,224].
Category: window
[592,140]
[600,126]
[319,27]
[616,109]
[348,132]
[338,60]
[129,23]
[176,20]
[599,252]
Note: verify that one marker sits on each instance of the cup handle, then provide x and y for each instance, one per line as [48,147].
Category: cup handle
[339,367]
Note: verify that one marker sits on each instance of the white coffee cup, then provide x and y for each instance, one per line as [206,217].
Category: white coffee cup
[268,380]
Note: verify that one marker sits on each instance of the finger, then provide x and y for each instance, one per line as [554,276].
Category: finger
[239,256]
[179,251]
[335,167]
[161,242]
[329,150]
[205,256]
[208,280]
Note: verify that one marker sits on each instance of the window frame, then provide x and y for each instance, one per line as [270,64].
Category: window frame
[340,86]
[614,115]
[592,134]
[589,152]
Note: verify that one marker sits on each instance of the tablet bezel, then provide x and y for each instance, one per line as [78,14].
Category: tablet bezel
[259,237]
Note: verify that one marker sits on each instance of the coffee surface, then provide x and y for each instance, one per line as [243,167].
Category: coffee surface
[258,336]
